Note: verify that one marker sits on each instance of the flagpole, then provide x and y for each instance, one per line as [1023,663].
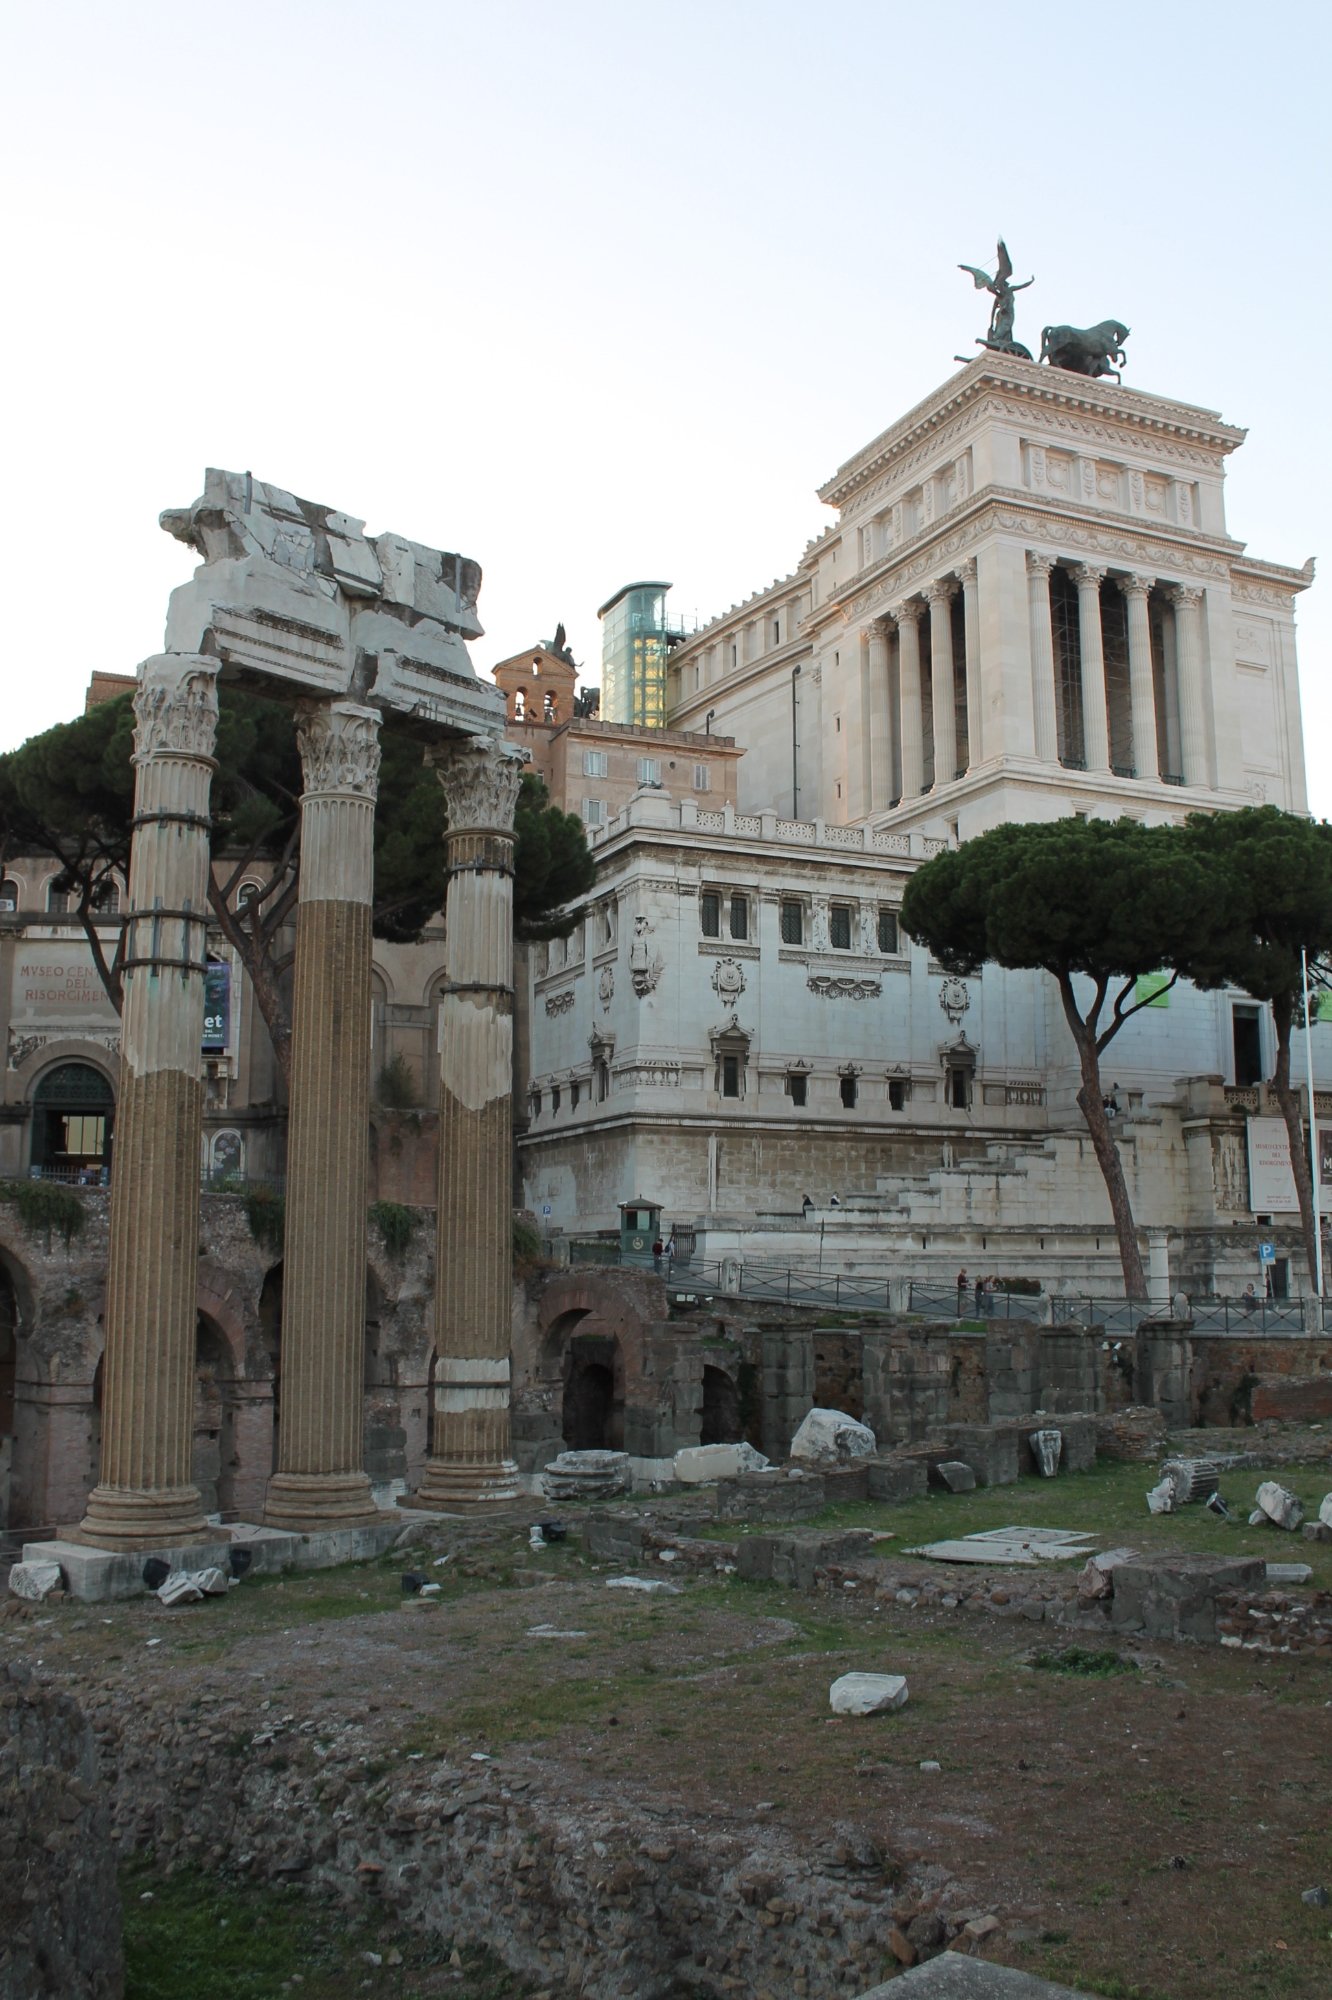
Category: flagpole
[1314,1162]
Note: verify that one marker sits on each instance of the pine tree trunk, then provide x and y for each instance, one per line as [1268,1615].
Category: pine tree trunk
[1289,1101]
[1091,1103]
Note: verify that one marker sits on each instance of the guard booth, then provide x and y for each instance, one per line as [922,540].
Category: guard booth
[640,1226]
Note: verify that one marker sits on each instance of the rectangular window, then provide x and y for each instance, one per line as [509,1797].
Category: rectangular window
[702,778]
[595,763]
[649,770]
[848,1084]
[797,1089]
[739,917]
[1248,1040]
[888,938]
[793,923]
[839,927]
[897,1093]
[730,1076]
[575,1093]
[709,913]
[594,812]
[555,1098]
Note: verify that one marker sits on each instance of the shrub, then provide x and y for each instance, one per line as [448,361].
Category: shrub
[45,1205]
[395,1086]
[395,1223]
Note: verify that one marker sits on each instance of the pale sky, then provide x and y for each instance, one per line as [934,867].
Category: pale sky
[597,291]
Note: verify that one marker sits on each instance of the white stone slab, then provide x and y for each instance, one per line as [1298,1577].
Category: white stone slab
[867,1694]
[1022,1547]
[652,1585]
[99,1576]
[699,1464]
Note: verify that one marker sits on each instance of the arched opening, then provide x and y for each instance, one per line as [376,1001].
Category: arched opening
[593,1415]
[214,1461]
[270,1327]
[8,1370]
[721,1409]
[73,1111]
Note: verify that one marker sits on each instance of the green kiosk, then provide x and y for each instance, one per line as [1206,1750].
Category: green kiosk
[640,1226]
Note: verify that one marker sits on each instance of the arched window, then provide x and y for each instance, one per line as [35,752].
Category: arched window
[58,900]
[73,1109]
[106,898]
[10,897]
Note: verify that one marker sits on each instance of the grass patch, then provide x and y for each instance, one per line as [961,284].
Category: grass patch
[199,1938]
[1083,1660]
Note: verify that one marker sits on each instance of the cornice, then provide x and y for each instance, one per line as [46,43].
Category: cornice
[1050,389]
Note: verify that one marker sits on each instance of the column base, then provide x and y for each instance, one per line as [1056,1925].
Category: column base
[308,1502]
[449,1483]
[127,1518]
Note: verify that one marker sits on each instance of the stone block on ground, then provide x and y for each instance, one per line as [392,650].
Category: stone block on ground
[1317,1531]
[991,1450]
[1175,1597]
[1283,1573]
[1136,1434]
[700,1464]
[794,1560]
[952,1976]
[867,1694]
[846,1482]
[791,1495]
[830,1437]
[1325,1510]
[1282,1507]
[955,1475]
[586,1475]
[896,1478]
[35,1580]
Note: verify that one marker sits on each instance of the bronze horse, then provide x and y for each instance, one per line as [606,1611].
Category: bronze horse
[1086,350]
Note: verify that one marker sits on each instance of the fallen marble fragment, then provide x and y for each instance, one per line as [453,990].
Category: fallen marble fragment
[655,1584]
[867,1694]
[1280,1505]
[1047,1445]
[35,1580]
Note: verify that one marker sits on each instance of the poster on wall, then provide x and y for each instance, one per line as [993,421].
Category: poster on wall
[217,1006]
[1271,1180]
[1325,1158]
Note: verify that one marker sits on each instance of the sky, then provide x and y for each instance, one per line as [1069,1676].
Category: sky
[593,292]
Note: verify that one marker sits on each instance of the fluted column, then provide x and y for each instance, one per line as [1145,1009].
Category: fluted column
[1187,599]
[1142,689]
[1044,707]
[939,597]
[470,1452]
[321,1481]
[1091,650]
[910,720]
[145,1497]
[971,631]
[880,721]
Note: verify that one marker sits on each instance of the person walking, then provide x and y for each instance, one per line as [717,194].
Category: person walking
[961,1291]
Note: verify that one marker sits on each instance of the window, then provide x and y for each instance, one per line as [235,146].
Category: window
[702,778]
[735,657]
[709,913]
[898,1092]
[888,932]
[797,1089]
[575,1094]
[106,898]
[554,1098]
[10,896]
[839,927]
[606,923]
[649,770]
[535,1102]
[776,631]
[58,901]
[739,917]
[594,812]
[730,1068]
[1248,1043]
[849,1092]
[249,892]
[793,924]
[596,763]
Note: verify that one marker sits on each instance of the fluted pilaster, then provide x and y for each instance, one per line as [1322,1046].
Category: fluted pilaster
[943,685]
[880,720]
[910,719]
[471,1459]
[145,1496]
[971,638]
[1142,691]
[321,1480]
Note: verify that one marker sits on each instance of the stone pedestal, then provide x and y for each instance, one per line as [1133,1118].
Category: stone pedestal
[470,1460]
[145,1497]
[321,1482]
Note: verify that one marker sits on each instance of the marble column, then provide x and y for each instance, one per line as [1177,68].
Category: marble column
[470,1454]
[1187,600]
[1142,686]
[971,630]
[145,1497]
[1091,650]
[321,1481]
[880,721]
[1044,707]
[939,596]
[910,733]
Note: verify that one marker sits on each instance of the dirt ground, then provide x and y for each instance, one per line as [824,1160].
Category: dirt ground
[1146,1832]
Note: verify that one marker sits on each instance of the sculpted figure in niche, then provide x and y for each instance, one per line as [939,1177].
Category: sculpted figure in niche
[645,965]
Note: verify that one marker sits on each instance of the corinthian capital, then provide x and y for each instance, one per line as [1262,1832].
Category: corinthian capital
[175,706]
[1038,564]
[1087,576]
[909,612]
[967,571]
[480,780]
[1184,594]
[1135,586]
[941,590]
[339,746]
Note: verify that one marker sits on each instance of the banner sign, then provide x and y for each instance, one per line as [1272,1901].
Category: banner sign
[1153,989]
[217,1006]
[1271,1180]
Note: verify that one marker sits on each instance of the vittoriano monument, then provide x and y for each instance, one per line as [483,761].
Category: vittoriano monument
[1082,350]
[293,599]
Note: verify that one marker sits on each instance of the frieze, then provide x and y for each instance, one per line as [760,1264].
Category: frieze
[559,1003]
[731,948]
[648,1076]
[1265,593]
[23,1047]
[843,986]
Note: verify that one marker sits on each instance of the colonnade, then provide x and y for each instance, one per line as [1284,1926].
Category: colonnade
[905,723]
[145,1496]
